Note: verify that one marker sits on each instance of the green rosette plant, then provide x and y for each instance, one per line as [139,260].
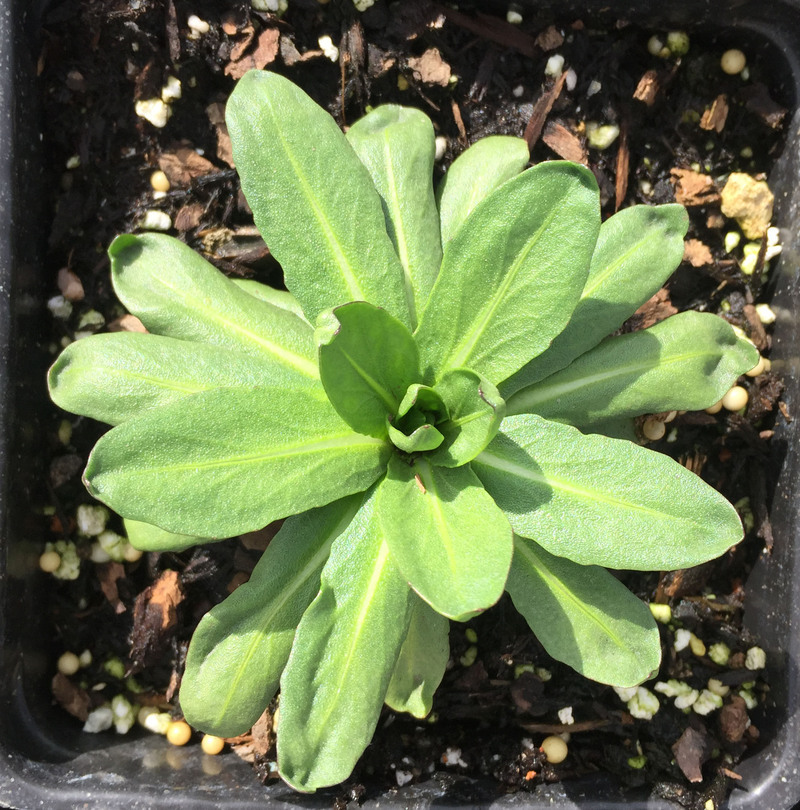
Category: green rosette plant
[428,408]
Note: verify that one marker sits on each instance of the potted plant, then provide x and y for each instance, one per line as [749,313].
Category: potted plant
[331,342]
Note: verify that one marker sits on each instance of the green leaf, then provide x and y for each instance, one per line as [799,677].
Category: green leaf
[601,501]
[397,145]
[475,174]
[115,377]
[584,617]
[637,251]
[425,437]
[687,362]
[476,410]
[513,273]
[241,646]
[224,462]
[422,662]
[450,541]
[146,537]
[177,293]
[343,656]
[367,360]
[312,199]
[277,298]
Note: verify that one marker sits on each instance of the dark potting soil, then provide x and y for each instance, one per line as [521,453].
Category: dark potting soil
[683,126]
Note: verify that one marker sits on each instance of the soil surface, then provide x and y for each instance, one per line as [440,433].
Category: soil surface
[684,125]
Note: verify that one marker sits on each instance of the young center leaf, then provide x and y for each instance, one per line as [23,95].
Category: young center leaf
[312,199]
[637,250]
[240,647]
[229,461]
[177,293]
[450,541]
[422,662]
[512,274]
[687,362]
[584,616]
[475,411]
[397,146]
[475,174]
[342,659]
[603,501]
[367,360]
[116,377]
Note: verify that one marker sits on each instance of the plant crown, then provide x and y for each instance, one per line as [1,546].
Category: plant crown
[449,430]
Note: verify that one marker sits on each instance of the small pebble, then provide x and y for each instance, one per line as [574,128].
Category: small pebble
[441,147]
[655,45]
[518,91]
[678,43]
[402,83]
[653,429]
[594,88]
[554,66]
[68,663]
[197,25]
[171,91]
[571,81]
[555,749]
[159,181]
[154,110]
[733,61]
[601,136]
[179,733]
[513,17]
[661,613]
[212,745]
[732,239]
[363,5]
[155,221]
[696,646]
[328,48]
[50,561]
[719,653]
[715,408]
[735,399]
[766,314]
[756,658]
[757,369]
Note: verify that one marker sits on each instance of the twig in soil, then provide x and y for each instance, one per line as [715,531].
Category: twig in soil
[622,167]
[586,725]
[541,110]
[462,132]
[493,29]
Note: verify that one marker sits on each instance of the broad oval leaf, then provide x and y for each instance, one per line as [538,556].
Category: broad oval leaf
[116,377]
[224,462]
[513,273]
[367,360]
[241,646]
[476,410]
[422,662]
[328,235]
[636,252]
[342,659]
[397,145]
[475,174]
[584,617]
[601,501]
[450,541]
[687,362]
[147,537]
[177,293]
[282,299]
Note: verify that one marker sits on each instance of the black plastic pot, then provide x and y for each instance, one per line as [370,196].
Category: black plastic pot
[44,762]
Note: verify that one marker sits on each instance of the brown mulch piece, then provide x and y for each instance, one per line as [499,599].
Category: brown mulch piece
[566,143]
[109,573]
[716,115]
[550,39]
[757,99]
[733,719]
[70,697]
[541,109]
[126,323]
[691,750]
[70,285]
[693,189]
[189,217]
[430,68]
[756,331]
[648,88]
[655,309]
[697,253]
[216,115]
[291,55]
[257,742]
[182,164]
[253,51]
[155,616]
